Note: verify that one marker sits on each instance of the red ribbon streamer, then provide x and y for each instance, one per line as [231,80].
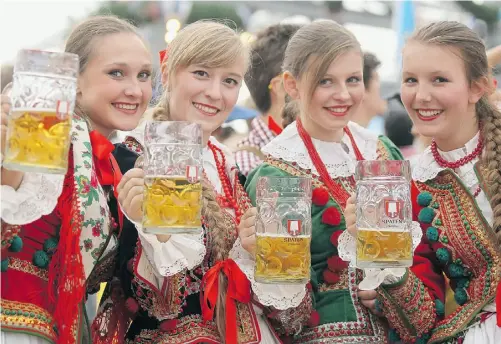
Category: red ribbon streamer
[239,289]
[107,169]
[274,126]
[498,305]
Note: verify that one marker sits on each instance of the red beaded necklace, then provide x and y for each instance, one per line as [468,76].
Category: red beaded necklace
[336,190]
[458,163]
[227,200]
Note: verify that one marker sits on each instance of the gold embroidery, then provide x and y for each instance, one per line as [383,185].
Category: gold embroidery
[471,240]
[192,328]
[342,284]
[27,318]
[27,267]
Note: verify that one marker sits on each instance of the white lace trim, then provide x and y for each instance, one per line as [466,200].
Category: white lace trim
[288,146]
[36,196]
[181,252]
[280,296]
[373,278]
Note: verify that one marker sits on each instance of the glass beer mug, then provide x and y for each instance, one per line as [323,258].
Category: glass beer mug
[283,230]
[43,98]
[172,185]
[384,214]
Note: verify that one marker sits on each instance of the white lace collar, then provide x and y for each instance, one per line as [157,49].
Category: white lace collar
[426,168]
[289,147]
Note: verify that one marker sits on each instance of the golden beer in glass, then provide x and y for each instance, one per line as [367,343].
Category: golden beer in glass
[282,259]
[43,97]
[172,202]
[172,199]
[384,214]
[283,230]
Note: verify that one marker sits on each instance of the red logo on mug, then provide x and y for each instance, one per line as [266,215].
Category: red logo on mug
[393,208]
[294,227]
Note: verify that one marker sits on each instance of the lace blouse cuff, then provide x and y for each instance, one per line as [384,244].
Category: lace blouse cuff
[279,296]
[373,278]
[36,196]
[181,252]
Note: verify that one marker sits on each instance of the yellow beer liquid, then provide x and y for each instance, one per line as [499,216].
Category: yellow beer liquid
[38,141]
[282,259]
[171,205]
[383,248]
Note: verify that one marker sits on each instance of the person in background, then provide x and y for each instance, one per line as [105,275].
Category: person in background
[373,104]
[398,127]
[264,81]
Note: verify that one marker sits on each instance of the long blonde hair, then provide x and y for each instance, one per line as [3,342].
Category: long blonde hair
[472,49]
[213,45]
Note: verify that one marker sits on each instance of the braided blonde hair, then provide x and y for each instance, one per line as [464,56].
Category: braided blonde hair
[473,53]
[213,45]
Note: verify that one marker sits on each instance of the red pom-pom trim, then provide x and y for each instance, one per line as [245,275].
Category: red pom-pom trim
[168,325]
[335,238]
[336,264]
[132,305]
[330,277]
[308,286]
[320,196]
[314,319]
[331,216]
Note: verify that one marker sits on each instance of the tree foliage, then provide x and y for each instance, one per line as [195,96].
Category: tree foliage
[210,10]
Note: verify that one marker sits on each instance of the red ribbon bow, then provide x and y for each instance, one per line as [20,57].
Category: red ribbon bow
[106,167]
[239,289]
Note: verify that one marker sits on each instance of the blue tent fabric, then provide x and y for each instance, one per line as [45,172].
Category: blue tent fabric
[240,112]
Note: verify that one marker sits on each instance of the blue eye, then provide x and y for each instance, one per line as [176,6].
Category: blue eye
[410,80]
[116,73]
[144,75]
[353,79]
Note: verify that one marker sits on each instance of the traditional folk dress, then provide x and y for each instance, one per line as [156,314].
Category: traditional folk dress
[64,245]
[157,294]
[451,203]
[329,312]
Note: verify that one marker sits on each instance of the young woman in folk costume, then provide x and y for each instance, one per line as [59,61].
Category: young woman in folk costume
[323,70]
[61,237]
[182,288]
[456,193]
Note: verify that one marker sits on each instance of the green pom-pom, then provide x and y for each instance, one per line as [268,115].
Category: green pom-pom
[41,259]
[432,233]
[423,339]
[378,306]
[460,296]
[393,336]
[462,283]
[16,244]
[456,270]
[424,199]
[5,265]
[426,215]
[443,255]
[50,245]
[439,307]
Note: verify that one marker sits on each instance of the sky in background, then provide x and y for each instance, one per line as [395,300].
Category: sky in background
[24,24]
